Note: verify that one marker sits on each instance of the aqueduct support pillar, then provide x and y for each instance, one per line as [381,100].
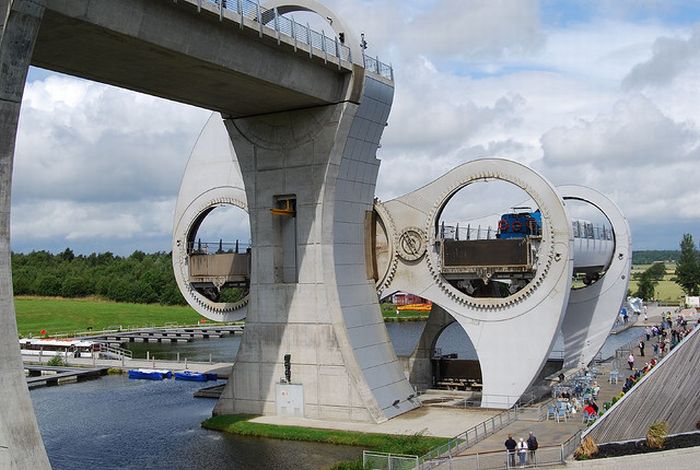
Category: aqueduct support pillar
[20,442]
[309,179]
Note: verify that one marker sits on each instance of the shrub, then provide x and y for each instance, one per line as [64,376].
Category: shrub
[656,435]
[115,371]
[55,361]
[587,449]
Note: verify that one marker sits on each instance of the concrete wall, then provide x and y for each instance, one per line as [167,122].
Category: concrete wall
[20,442]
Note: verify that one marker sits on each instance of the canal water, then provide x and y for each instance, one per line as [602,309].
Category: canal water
[117,423]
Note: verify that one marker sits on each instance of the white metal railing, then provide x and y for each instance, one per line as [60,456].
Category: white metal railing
[116,350]
[469,437]
[319,42]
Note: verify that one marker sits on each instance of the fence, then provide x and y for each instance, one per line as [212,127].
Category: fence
[383,461]
[470,437]
[299,33]
[498,460]
[495,460]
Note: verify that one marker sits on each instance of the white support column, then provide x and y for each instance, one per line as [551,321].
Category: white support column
[21,446]
[592,310]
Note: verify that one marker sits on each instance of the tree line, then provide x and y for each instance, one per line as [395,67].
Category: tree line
[687,273]
[138,278]
[688,266]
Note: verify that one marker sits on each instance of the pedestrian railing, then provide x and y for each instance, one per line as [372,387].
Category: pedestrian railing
[502,459]
[319,43]
[470,437]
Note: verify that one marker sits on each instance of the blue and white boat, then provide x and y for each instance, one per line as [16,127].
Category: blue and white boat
[150,374]
[195,376]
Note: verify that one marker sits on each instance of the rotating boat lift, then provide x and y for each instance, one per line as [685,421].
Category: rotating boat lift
[513,335]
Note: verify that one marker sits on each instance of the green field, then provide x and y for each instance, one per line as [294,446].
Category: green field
[667,291]
[57,315]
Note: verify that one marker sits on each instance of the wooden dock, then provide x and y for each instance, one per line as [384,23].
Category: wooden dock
[43,376]
[165,335]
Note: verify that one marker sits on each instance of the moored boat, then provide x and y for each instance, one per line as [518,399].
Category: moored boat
[150,374]
[195,376]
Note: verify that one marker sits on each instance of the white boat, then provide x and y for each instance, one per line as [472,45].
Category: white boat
[49,347]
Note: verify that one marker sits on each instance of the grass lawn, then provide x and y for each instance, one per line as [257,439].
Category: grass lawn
[395,444]
[56,315]
[666,291]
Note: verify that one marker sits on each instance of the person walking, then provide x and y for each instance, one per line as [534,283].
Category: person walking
[647,331]
[532,446]
[510,450]
[522,452]
[641,348]
[630,361]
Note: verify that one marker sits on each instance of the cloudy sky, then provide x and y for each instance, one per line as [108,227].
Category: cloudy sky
[602,93]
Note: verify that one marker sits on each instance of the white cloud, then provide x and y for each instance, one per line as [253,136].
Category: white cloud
[99,167]
[86,141]
[671,57]
[635,132]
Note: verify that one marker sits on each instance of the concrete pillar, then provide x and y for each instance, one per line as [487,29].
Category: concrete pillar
[420,367]
[21,446]
[311,293]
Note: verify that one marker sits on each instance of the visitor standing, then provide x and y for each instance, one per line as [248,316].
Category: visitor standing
[641,348]
[630,361]
[647,331]
[510,449]
[522,452]
[532,446]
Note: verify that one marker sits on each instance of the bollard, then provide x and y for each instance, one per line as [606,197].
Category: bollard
[153,364]
[185,363]
[178,358]
[148,355]
[209,358]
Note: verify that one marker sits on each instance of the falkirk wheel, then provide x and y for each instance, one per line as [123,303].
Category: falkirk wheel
[406,249]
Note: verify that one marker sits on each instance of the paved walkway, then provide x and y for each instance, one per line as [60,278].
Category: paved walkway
[678,459]
[428,420]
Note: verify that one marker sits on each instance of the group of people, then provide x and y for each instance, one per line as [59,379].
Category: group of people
[664,335]
[637,374]
[524,449]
